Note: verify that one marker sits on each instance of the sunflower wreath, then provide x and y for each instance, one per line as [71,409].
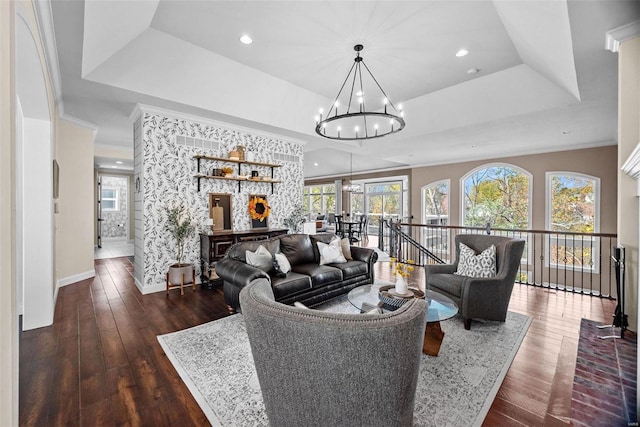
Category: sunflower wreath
[259,208]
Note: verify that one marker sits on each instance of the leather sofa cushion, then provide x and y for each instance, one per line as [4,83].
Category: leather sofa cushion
[450,283]
[320,274]
[351,269]
[289,285]
[297,248]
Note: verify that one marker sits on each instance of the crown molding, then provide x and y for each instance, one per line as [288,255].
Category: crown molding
[632,165]
[618,35]
[44,19]
[143,108]
[76,121]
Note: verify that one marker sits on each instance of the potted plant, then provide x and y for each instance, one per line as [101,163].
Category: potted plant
[180,226]
[295,219]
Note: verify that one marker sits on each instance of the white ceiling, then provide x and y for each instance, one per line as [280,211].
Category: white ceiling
[546,82]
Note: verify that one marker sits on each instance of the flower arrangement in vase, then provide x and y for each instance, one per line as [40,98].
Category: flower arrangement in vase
[402,270]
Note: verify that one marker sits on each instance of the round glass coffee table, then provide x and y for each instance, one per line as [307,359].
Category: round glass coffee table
[440,308]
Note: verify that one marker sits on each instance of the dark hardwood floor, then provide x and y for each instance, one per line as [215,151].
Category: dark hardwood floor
[100,362]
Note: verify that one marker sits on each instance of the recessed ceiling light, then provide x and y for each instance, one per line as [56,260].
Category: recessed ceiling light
[315,164]
[114,167]
[462,52]
[245,39]
[473,70]
[118,162]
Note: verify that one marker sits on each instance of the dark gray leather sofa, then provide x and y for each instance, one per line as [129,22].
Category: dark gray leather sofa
[308,282]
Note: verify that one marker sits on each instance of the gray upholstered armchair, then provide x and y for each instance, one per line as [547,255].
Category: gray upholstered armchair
[317,368]
[479,298]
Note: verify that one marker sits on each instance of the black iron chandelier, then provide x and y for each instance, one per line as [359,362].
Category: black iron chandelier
[356,122]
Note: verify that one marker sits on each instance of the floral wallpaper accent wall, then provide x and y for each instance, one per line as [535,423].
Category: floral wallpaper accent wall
[167,173]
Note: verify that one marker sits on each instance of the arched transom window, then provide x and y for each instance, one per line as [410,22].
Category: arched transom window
[498,194]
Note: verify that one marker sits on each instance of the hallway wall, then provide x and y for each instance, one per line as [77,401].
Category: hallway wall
[75,205]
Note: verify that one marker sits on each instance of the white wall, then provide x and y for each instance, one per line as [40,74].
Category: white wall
[19,284]
[37,218]
[33,86]
[8,314]
[628,138]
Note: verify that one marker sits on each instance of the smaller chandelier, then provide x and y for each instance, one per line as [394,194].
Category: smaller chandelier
[356,122]
[351,187]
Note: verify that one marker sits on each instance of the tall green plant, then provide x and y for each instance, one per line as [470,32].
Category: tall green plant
[180,226]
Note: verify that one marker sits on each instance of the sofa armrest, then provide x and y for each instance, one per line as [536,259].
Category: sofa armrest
[474,296]
[364,254]
[238,273]
[439,269]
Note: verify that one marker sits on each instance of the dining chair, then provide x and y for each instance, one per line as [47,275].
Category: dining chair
[339,226]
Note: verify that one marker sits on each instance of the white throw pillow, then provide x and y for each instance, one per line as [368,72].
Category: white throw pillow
[481,265]
[283,262]
[261,258]
[331,253]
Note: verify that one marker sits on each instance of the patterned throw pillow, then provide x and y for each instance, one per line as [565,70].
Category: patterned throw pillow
[331,253]
[481,265]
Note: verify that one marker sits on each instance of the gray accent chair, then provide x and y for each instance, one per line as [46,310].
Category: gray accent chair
[479,298]
[318,368]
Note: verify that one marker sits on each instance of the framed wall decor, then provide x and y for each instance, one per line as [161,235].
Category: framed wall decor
[220,210]
[259,211]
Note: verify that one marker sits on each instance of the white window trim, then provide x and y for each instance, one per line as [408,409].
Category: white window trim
[492,165]
[423,218]
[404,191]
[596,222]
[116,199]
[322,195]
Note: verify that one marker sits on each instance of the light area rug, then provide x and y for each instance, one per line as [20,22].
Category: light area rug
[456,388]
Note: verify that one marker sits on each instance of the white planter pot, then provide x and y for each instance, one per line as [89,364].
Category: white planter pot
[182,274]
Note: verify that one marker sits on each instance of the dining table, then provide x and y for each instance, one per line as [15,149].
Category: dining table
[349,225]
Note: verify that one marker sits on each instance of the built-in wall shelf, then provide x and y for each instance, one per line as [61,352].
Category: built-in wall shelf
[244,162]
[240,178]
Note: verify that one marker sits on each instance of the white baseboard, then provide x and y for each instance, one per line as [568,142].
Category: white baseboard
[138,284]
[75,278]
